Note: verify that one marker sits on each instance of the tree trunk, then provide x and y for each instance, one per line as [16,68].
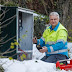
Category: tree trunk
[65,12]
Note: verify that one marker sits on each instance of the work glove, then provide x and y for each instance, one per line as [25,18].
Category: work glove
[38,47]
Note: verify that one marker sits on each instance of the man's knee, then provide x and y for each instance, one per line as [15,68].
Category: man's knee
[53,58]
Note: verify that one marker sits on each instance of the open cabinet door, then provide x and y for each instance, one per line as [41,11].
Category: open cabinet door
[8,30]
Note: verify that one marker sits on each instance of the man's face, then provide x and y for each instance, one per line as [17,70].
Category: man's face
[54,20]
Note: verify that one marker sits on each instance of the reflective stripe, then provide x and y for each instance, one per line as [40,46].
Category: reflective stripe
[51,48]
[65,45]
[43,38]
[50,42]
[59,51]
[61,40]
[39,41]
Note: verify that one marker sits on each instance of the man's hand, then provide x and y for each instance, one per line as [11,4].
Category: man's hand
[44,49]
[35,40]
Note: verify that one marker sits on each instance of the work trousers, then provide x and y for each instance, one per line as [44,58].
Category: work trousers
[54,58]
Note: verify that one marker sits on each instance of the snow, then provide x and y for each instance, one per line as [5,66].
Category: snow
[70,50]
[36,53]
[34,65]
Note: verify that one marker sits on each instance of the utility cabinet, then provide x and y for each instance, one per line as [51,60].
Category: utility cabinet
[25,31]
[18,24]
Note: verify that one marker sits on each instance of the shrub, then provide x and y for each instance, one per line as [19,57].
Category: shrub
[39,25]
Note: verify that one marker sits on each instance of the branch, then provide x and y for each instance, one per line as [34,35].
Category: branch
[3,38]
[52,2]
[43,2]
[1,45]
[1,32]
[7,23]
[3,14]
[8,40]
[8,19]
[7,52]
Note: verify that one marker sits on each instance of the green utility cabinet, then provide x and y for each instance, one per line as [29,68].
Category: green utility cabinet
[16,26]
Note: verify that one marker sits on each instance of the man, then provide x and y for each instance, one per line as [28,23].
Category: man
[54,40]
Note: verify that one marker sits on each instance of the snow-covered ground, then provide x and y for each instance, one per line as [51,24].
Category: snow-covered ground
[34,65]
[70,50]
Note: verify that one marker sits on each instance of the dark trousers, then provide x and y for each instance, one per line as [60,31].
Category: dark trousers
[54,58]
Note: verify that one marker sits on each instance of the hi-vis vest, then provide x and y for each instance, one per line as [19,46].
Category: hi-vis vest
[52,37]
